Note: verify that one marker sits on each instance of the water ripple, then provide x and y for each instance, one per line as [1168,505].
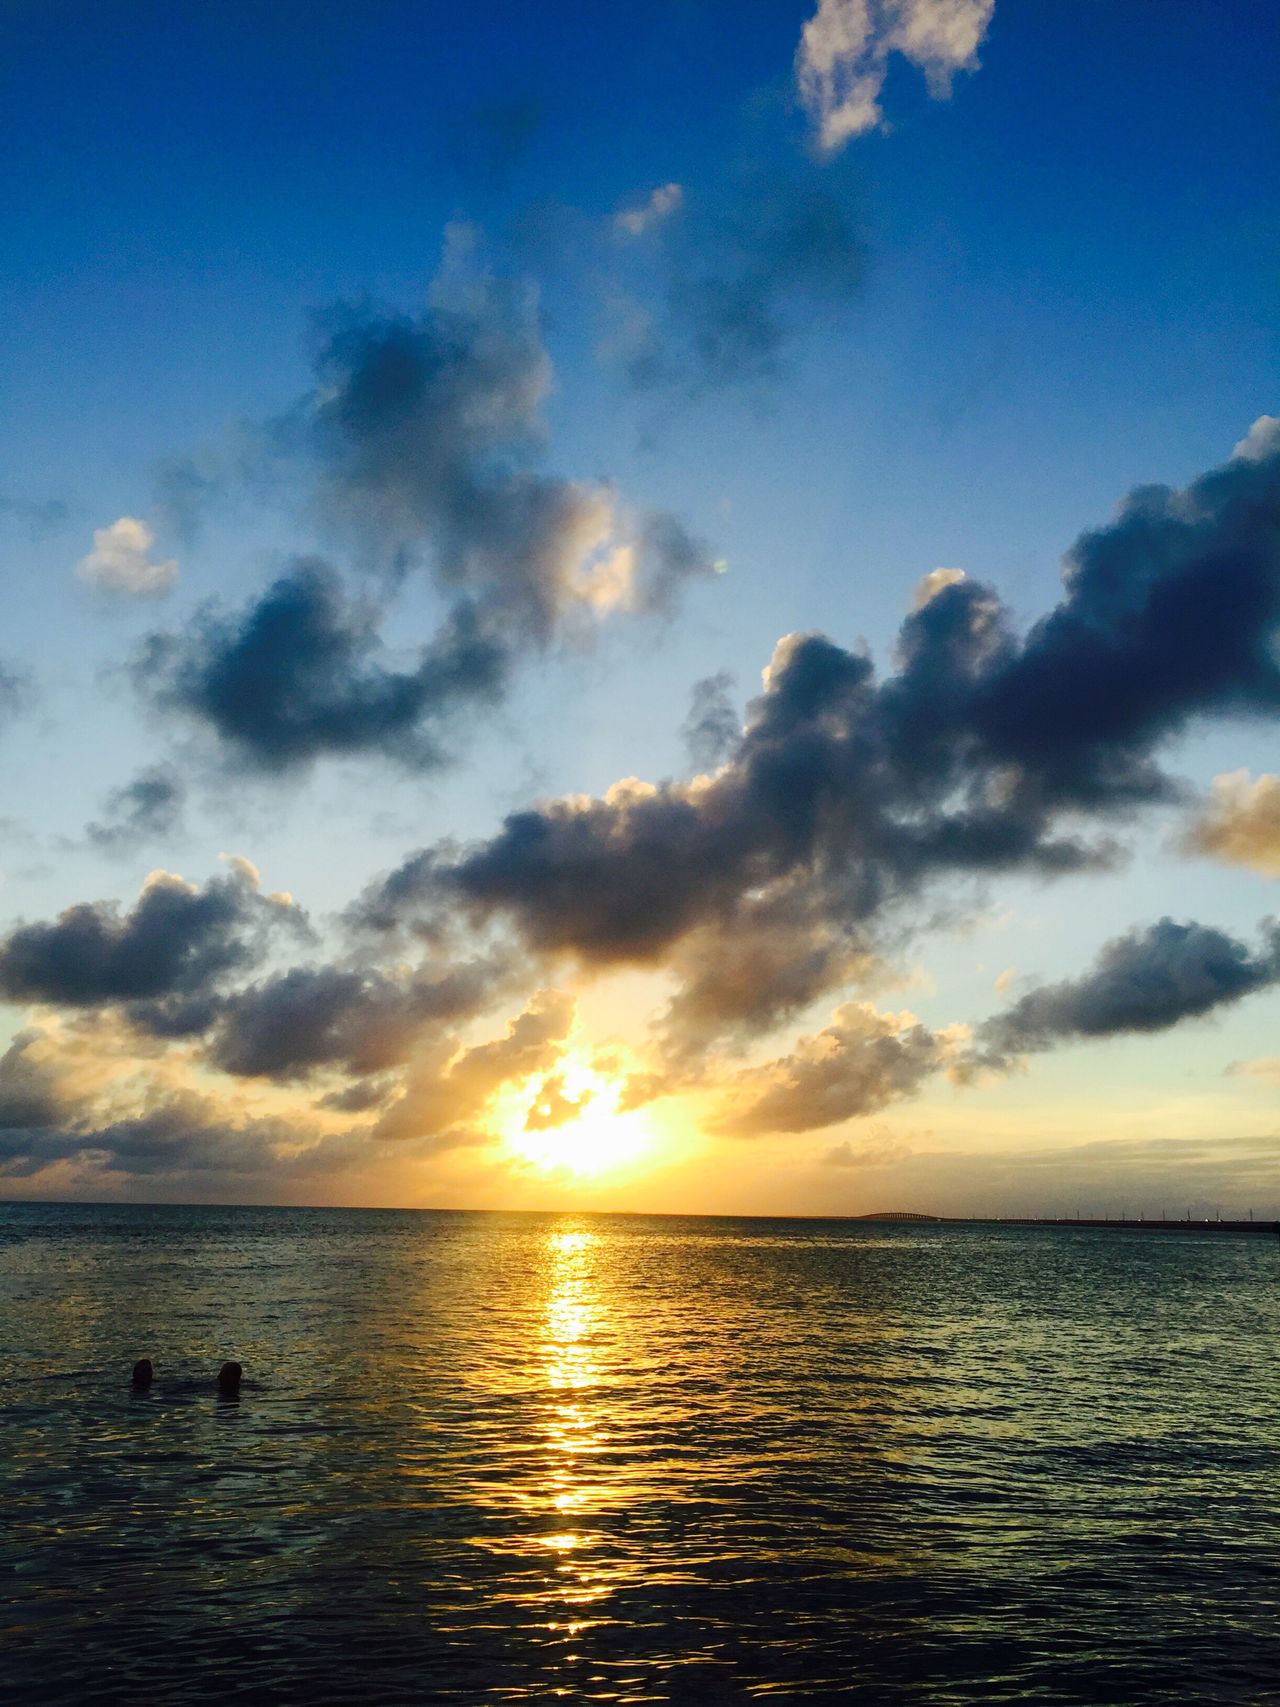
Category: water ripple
[507,1458]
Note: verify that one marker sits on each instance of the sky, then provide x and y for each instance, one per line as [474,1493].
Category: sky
[666,608]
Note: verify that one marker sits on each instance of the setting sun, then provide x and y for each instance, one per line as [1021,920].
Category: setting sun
[572,1122]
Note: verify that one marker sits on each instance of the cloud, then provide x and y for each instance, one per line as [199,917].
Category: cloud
[774,958]
[360,1020]
[930,585]
[300,673]
[448,1091]
[1144,981]
[421,442]
[984,752]
[1240,823]
[39,517]
[1261,441]
[717,297]
[552,1105]
[880,1150]
[15,692]
[425,433]
[1265,1067]
[147,807]
[843,57]
[858,1064]
[660,204]
[31,1097]
[121,564]
[176,946]
[184,1137]
[712,729]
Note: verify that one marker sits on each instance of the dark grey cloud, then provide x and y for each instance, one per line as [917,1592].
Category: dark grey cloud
[31,1098]
[183,1136]
[731,279]
[421,444]
[360,1096]
[148,806]
[1146,980]
[301,673]
[984,752]
[740,978]
[360,1020]
[425,435]
[711,730]
[175,946]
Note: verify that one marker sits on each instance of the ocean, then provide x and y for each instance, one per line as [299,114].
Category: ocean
[505,1458]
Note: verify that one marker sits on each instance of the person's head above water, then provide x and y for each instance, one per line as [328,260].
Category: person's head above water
[229,1378]
[143,1372]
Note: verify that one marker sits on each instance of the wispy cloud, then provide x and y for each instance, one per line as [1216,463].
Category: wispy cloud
[715,299]
[657,206]
[145,808]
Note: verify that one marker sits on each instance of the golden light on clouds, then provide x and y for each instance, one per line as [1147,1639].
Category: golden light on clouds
[572,1121]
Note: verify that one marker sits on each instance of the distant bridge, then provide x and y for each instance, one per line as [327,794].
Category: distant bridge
[1128,1223]
[896,1215]
[1186,1224]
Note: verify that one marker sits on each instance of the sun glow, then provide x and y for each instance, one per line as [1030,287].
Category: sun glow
[571,1121]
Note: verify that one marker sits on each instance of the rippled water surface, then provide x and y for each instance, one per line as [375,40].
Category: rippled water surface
[491,1457]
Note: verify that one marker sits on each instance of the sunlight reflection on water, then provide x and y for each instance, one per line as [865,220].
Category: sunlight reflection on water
[618,1458]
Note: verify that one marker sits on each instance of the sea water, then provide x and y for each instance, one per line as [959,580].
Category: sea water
[486,1457]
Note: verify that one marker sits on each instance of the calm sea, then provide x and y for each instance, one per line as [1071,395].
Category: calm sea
[514,1457]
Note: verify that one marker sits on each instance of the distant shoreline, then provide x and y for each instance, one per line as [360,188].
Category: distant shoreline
[1142,1224]
[1264,1224]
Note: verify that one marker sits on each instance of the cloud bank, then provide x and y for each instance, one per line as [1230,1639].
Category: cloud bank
[984,752]
[806,850]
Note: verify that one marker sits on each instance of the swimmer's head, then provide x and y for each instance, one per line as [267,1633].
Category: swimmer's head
[143,1372]
[229,1378]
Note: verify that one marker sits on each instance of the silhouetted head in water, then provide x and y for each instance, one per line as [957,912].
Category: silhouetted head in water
[143,1373]
[229,1379]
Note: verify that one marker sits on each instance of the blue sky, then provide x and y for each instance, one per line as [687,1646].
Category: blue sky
[1030,297]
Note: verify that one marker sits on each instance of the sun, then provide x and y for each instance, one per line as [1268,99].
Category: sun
[571,1121]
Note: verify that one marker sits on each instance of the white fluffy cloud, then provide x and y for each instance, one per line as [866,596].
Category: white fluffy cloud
[120,562]
[843,57]
[1261,439]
